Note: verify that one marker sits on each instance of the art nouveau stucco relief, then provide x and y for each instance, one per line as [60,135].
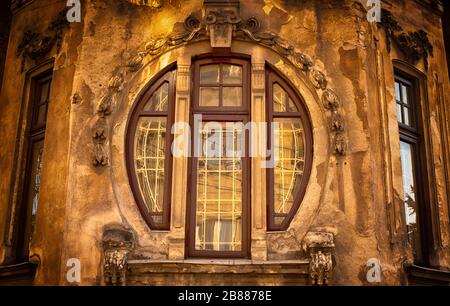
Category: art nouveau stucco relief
[117,50]
[134,86]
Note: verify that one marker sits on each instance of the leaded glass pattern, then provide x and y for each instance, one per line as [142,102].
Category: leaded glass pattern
[288,144]
[150,152]
[219,189]
[289,165]
[149,143]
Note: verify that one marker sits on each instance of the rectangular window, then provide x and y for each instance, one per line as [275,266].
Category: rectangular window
[219,189]
[412,162]
[35,135]
[218,218]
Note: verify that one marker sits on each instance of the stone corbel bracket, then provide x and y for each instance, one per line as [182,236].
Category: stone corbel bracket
[117,243]
[320,247]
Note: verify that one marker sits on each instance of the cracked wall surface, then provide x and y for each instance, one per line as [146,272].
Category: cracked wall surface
[355,196]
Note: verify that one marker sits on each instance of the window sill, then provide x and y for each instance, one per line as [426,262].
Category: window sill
[234,262]
[421,276]
[18,275]
[217,272]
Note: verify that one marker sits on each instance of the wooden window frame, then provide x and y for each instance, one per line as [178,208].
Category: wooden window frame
[413,135]
[244,109]
[274,77]
[220,114]
[167,75]
[34,133]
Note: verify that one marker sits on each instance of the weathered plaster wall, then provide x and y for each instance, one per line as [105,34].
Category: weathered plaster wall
[352,195]
[47,245]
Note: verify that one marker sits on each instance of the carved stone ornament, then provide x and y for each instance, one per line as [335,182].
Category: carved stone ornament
[414,45]
[318,79]
[320,247]
[101,158]
[330,100]
[104,106]
[104,109]
[340,144]
[220,24]
[222,20]
[76,98]
[35,46]
[215,25]
[337,122]
[117,243]
[152,3]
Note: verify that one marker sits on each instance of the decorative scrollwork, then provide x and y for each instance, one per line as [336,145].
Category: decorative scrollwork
[222,24]
[222,17]
[414,45]
[35,46]
[192,23]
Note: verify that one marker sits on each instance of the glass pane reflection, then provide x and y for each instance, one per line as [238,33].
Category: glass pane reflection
[150,147]
[409,187]
[219,189]
[289,166]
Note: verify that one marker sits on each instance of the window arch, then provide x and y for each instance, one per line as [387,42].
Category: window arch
[291,140]
[149,158]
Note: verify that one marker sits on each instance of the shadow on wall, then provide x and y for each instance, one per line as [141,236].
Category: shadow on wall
[5,23]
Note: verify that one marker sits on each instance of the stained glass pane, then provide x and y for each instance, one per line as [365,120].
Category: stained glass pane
[231,74]
[219,189]
[150,152]
[158,102]
[289,146]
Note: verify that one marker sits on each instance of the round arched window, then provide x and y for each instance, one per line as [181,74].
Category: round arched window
[291,140]
[219,177]
[149,158]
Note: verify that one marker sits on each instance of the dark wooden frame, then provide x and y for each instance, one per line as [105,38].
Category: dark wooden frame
[34,133]
[220,114]
[168,75]
[414,136]
[274,77]
[221,109]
